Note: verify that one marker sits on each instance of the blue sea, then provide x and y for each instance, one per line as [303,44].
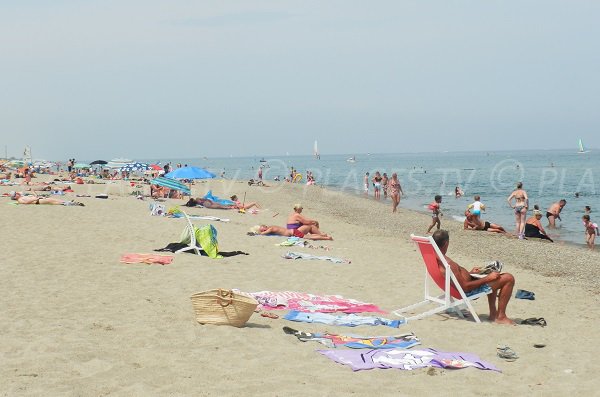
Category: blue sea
[547,176]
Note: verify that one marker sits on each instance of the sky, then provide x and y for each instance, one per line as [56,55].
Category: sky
[188,79]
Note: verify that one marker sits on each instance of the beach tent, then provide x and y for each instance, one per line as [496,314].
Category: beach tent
[190,173]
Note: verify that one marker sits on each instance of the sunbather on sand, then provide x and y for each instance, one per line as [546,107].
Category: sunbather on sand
[501,284]
[281,231]
[34,199]
[206,203]
[473,222]
[243,206]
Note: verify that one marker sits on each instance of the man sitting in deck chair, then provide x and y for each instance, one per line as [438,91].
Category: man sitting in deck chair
[501,284]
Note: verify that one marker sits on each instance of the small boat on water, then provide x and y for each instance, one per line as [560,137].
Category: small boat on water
[263,160]
[352,159]
[581,148]
[118,162]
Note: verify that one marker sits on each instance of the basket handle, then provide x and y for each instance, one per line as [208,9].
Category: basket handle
[225,294]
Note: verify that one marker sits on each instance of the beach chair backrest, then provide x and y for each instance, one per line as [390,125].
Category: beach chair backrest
[431,253]
[191,229]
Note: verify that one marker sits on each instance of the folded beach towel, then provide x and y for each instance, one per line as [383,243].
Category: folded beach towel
[147,258]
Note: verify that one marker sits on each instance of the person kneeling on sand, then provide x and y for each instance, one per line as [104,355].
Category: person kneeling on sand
[281,231]
[34,199]
[297,221]
[500,284]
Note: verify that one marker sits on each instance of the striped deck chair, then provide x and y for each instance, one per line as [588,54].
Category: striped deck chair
[453,295]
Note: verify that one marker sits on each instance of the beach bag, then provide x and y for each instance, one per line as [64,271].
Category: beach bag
[223,307]
[157,209]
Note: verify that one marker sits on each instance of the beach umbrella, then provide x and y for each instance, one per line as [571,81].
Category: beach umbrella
[16,163]
[82,165]
[171,184]
[99,162]
[190,173]
[156,167]
[132,167]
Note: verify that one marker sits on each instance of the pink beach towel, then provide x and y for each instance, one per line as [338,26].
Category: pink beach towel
[147,258]
[303,302]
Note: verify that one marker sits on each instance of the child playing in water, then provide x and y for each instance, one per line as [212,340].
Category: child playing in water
[591,230]
[476,207]
[436,213]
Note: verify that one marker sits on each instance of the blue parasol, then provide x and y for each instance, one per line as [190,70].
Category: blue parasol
[190,173]
[171,184]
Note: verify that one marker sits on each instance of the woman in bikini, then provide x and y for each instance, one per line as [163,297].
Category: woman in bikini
[520,208]
[395,191]
[298,222]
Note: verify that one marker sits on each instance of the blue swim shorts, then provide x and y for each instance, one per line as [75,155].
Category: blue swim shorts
[482,288]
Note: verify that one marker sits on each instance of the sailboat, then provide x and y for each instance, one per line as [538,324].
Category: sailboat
[352,159]
[581,148]
[316,151]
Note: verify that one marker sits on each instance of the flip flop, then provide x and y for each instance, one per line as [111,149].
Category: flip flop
[269,315]
[523,294]
[506,353]
[302,336]
[534,321]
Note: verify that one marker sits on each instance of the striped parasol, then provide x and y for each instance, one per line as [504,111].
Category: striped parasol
[171,184]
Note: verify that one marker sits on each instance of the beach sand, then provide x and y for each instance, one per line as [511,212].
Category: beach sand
[77,322]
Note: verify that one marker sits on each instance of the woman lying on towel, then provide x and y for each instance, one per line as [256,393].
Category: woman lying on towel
[21,199]
[206,203]
[280,231]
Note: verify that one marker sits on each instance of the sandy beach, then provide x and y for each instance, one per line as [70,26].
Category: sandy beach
[77,322]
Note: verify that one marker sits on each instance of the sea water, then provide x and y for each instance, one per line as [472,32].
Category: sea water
[547,176]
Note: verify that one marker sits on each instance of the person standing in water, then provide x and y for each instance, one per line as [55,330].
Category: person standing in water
[395,191]
[520,208]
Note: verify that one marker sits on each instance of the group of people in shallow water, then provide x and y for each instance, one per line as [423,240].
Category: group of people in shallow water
[527,227]
[389,186]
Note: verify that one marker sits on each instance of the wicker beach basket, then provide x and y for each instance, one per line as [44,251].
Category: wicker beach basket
[223,307]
